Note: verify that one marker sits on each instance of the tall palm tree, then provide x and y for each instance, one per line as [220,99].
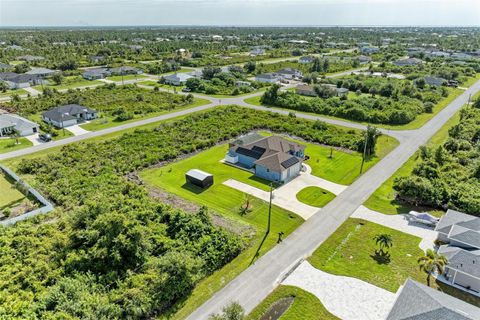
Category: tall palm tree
[432,262]
[384,240]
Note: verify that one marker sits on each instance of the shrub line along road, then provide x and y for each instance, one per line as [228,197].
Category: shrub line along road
[255,283]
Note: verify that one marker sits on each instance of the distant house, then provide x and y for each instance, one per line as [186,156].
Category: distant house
[30,58]
[306,59]
[407,62]
[305,90]
[435,81]
[241,83]
[177,79]
[364,59]
[199,178]
[96,59]
[124,70]
[369,50]
[459,229]
[267,78]
[95,74]
[41,72]
[289,73]
[417,301]
[18,81]
[5,66]
[272,158]
[68,115]
[257,52]
[217,38]
[10,123]
[339,92]
[14,47]
[461,56]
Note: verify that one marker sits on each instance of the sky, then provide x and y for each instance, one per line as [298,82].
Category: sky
[239,12]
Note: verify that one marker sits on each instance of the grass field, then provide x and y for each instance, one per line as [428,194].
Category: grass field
[107,121]
[305,305]
[350,251]
[227,202]
[315,196]
[70,82]
[9,194]
[126,77]
[9,144]
[9,93]
[383,199]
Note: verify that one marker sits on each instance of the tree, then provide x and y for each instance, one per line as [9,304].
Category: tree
[233,311]
[326,65]
[250,66]
[384,241]
[57,78]
[316,65]
[210,72]
[3,87]
[271,95]
[371,136]
[432,262]
[21,68]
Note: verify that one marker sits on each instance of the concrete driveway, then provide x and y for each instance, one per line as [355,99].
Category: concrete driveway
[34,139]
[345,297]
[77,130]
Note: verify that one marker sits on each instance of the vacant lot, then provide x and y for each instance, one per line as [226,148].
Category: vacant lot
[9,194]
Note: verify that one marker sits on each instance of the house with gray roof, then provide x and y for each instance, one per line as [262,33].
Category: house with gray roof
[123,70]
[306,59]
[415,301]
[463,267]
[289,73]
[5,66]
[407,62]
[68,115]
[271,158]
[10,123]
[42,72]
[30,58]
[18,81]
[459,229]
[267,78]
[435,81]
[96,73]
[177,79]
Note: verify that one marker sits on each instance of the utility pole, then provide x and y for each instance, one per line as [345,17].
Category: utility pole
[364,151]
[270,208]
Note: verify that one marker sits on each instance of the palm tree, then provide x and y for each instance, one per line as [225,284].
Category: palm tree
[384,240]
[432,262]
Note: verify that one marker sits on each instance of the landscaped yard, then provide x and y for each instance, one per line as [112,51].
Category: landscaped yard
[9,144]
[126,77]
[315,196]
[351,251]
[305,305]
[70,82]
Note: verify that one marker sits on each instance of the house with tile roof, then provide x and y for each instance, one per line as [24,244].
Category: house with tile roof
[272,158]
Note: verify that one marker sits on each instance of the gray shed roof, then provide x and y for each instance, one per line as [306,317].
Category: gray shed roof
[416,301]
[198,174]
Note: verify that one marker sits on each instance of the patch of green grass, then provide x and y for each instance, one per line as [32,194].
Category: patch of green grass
[9,93]
[315,196]
[383,199]
[153,83]
[305,305]
[9,144]
[126,77]
[226,201]
[70,82]
[350,252]
[106,121]
[254,100]
[60,133]
[9,194]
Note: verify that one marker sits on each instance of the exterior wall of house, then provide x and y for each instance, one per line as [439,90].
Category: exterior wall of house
[57,124]
[463,279]
[264,173]
[264,80]
[443,237]
[246,161]
[173,82]
[29,132]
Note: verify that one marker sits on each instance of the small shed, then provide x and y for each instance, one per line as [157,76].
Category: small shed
[199,178]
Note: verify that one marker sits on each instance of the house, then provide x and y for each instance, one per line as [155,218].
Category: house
[97,73]
[267,78]
[257,52]
[272,158]
[306,59]
[68,115]
[407,62]
[339,92]
[30,58]
[462,268]
[241,83]
[435,81]
[217,38]
[10,123]
[41,72]
[124,70]
[459,229]
[5,66]
[199,178]
[14,47]
[305,90]
[420,302]
[289,73]
[18,81]
[369,50]
[96,59]
[177,79]
[362,59]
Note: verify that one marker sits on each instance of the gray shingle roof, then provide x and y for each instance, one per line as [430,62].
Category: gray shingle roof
[416,301]
[465,235]
[455,217]
[19,123]
[465,261]
[68,111]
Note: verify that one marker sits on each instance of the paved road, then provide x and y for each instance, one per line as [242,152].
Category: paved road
[255,283]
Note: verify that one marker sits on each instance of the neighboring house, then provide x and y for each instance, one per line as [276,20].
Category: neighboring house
[30,58]
[177,79]
[459,229]
[68,115]
[272,158]
[18,81]
[97,73]
[407,62]
[10,123]
[364,59]
[306,59]
[14,47]
[41,72]
[289,73]
[96,59]
[124,70]
[257,52]
[5,66]
[369,50]
[416,301]
[241,83]
[463,267]
[340,92]
[461,56]
[438,54]
[305,90]
[267,78]
[435,81]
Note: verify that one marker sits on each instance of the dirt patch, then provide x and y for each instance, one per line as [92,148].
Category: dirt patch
[278,308]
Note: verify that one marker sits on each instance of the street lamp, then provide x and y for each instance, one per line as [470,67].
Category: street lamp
[270,208]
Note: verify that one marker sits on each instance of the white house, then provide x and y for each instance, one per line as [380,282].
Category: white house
[177,79]
[289,73]
[267,78]
[10,123]
[68,115]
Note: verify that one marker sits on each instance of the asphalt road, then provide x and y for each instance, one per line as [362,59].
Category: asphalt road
[255,283]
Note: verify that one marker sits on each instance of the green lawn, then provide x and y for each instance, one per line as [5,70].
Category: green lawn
[70,82]
[9,144]
[305,306]
[107,121]
[9,93]
[227,202]
[126,77]
[9,194]
[315,196]
[383,199]
[350,251]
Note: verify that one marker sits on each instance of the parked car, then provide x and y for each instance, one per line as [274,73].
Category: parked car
[186,90]
[45,137]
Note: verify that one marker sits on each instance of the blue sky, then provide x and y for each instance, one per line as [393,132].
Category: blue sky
[238,12]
